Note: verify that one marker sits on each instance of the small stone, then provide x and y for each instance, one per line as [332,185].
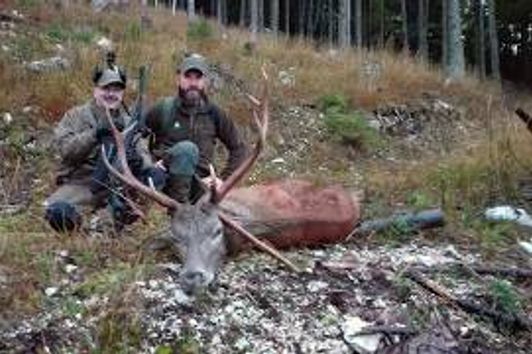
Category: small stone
[69,268]
[364,344]
[315,286]
[279,160]
[182,298]
[242,344]
[51,291]
[7,118]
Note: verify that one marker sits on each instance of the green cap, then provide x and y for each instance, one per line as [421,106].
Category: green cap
[195,62]
[110,76]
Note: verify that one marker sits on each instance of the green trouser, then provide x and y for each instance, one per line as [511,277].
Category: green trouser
[182,161]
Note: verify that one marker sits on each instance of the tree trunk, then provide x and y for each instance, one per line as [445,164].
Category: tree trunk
[254,20]
[456,67]
[174,5]
[243,12]
[287,17]
[444,35]
[301,11]
[494,42]
[382,15]
[274,17]
[191,10]
[481,38]
[422,22]
[343,18]
[358,23]
[330,25]
[404,16]
[310,19]
[260,15]
[219,12]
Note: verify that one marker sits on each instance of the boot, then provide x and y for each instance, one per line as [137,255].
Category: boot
[178,188]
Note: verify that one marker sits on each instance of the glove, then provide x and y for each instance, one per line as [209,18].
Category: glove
[103,130]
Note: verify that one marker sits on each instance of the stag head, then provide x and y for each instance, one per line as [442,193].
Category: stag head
[197,229]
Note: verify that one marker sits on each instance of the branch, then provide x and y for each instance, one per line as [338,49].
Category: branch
[513,321]
[525,117]
[263,246]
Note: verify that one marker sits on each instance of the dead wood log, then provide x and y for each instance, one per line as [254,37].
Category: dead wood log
[518,273]
[514,321]
[525,117]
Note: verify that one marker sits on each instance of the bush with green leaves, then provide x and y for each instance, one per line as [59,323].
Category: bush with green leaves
[347,127]
[200,30]
[504,297]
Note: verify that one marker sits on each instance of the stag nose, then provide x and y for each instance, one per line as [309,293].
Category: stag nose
[192,281]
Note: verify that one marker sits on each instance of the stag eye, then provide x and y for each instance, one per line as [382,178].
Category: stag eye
[217,233]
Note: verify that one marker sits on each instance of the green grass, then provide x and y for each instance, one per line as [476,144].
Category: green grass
[504,297]
[200,30]
[347,127]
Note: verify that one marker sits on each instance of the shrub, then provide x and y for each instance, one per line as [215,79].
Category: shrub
[199,30]
[334,102]
[351,129]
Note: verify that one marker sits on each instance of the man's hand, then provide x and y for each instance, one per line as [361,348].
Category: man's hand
[209,182]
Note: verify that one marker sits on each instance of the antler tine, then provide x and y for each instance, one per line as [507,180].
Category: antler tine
[127,176]
[262,125]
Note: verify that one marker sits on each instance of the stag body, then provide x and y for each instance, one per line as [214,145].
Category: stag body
[198,229]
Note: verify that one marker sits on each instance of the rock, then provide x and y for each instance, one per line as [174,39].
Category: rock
[288,77]
[509,213]
[242,344]
[70,268]
[51,291]
[315,286]
[56,63]
[7,118]
[527,246]
[363,344]
[279,160]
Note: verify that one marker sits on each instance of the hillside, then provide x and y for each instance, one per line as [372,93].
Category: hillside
[381,124]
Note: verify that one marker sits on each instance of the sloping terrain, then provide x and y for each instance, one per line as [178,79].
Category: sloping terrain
[383,125]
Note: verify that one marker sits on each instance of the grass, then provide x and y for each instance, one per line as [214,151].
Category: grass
[485,170]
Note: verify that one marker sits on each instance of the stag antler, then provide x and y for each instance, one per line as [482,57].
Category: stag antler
[127,176]
[262,126]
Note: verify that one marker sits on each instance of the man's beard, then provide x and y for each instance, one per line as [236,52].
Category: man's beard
[192,97]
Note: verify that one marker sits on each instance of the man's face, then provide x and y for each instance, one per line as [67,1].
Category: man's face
[191,85]
[109,96]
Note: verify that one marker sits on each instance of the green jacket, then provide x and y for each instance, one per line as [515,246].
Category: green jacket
[170,122]
[75,141]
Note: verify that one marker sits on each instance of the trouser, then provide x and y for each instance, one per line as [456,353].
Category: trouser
[181,162]
[65,207]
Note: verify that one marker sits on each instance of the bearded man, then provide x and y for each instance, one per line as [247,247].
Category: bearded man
[78,139]
[185,128]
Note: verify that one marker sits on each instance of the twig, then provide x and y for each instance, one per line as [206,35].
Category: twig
[263,246]
[513,321]
[525,117]
[480,270]
[389,330]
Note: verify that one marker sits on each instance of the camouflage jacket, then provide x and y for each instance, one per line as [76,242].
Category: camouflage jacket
[170,122]
[75,140]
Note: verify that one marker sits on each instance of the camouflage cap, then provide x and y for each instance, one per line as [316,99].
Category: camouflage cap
[110,76]
[195,62]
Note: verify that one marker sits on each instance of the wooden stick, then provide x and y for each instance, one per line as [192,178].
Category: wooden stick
[261,245]
[525,117]
[513,321]
[481,270]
